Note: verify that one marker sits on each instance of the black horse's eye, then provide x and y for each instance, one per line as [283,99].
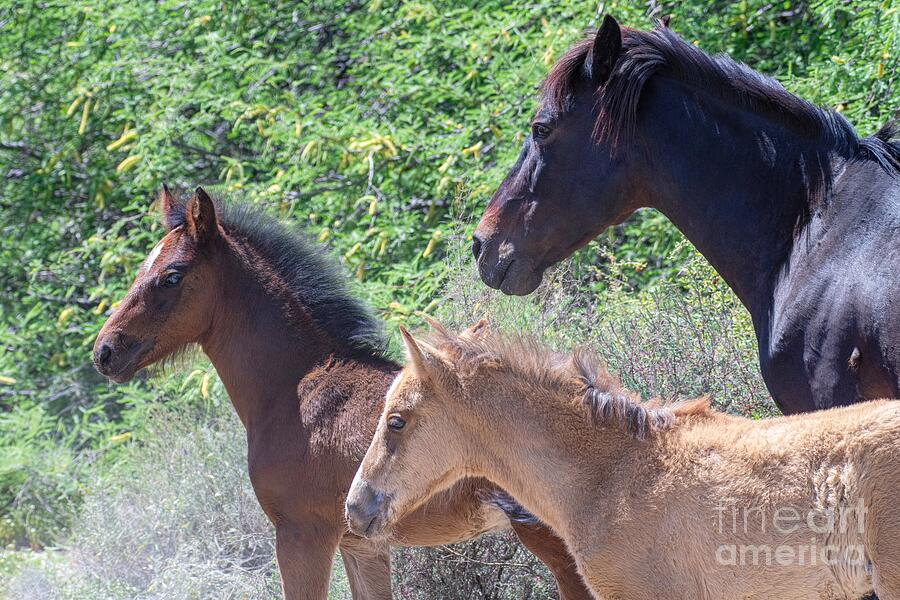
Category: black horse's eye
[539,131]
[396,422]
[172,279]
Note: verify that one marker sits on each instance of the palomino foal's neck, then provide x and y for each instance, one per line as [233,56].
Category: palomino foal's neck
[732,182]
[259,353]
[536,452]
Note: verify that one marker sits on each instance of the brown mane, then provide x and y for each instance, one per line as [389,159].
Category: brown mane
[580,375]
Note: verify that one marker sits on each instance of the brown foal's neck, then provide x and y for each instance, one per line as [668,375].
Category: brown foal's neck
[260,352]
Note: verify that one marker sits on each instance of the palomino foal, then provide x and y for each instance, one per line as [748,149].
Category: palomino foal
[302,362]
[654,502]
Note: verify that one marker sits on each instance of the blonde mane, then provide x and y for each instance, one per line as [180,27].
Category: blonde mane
[580,375]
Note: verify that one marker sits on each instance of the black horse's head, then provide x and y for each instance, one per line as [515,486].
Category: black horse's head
[569,183]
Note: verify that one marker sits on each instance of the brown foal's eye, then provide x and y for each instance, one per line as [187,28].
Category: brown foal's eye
[172,279]
[396,422]
[539,131]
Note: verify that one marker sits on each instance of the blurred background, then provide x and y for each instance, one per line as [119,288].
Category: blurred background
[380,126]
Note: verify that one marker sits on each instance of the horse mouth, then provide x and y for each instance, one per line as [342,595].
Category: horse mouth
[123,375]
[372,528]
[513,277]
[124,369]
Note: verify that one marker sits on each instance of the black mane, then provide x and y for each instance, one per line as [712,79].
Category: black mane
[314,278]
[661,51]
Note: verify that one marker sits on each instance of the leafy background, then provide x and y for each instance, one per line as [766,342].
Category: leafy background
[383,127]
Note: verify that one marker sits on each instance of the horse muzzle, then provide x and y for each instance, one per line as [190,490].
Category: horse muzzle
[116,356]
[366,510]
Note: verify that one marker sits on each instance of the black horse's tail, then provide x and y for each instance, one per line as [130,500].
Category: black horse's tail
[513,510]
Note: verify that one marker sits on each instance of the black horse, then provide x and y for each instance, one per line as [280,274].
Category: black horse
[797,213]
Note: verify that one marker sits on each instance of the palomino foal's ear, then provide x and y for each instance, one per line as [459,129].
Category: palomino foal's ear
[201,215]
[477,331]
[425,360]
[606,50]
[172,210]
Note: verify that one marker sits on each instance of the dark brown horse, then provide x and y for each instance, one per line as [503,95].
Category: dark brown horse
[303,364]
[798,214]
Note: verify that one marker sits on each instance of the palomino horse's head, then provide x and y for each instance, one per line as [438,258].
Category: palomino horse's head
[568,184]
[411,457]
[170,303]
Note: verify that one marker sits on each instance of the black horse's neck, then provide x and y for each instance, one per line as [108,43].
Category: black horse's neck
[735,183]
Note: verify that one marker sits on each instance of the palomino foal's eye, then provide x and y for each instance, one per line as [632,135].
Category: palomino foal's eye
[172,279]
[396,423]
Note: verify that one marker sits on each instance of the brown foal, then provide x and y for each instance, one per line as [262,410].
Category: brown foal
[303,365]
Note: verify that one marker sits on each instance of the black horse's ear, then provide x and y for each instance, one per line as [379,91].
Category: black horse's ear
[201,216]
[606,50]
[664,22]
[172,209]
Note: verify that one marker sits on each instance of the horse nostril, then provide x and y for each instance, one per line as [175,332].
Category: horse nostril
[104,354]
[476,245]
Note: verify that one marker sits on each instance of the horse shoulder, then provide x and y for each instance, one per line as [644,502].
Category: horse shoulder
[340,402]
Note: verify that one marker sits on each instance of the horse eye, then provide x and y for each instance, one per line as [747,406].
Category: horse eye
[539,131]
[172,279]
[396,423]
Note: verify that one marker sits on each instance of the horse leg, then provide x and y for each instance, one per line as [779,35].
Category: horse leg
[551,550]
[305,552]
[368,568]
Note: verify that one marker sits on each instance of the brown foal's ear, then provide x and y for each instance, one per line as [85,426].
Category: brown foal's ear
[201,216]
[425,360]
[172,210]
[606,50]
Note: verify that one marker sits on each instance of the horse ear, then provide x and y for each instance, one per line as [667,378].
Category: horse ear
[172,210]
[478,331]
[201,215]
[664,22]
[413,352]
[425,360]
[606,50]
[434,324]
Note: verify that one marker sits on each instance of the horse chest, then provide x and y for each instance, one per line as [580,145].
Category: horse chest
[294,471]
[833,341]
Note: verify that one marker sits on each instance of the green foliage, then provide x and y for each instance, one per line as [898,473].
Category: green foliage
[382,125]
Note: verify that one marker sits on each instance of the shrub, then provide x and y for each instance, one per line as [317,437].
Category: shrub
[362,119]
[175,516]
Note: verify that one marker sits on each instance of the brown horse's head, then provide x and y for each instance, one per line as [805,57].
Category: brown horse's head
[568,184]
[170,303]
[411,456]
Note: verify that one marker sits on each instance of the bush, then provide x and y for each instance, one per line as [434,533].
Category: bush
[377,124]
[175,516]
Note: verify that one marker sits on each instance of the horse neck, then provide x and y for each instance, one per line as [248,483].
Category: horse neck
[544,451]
[731,180]
[259,352]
